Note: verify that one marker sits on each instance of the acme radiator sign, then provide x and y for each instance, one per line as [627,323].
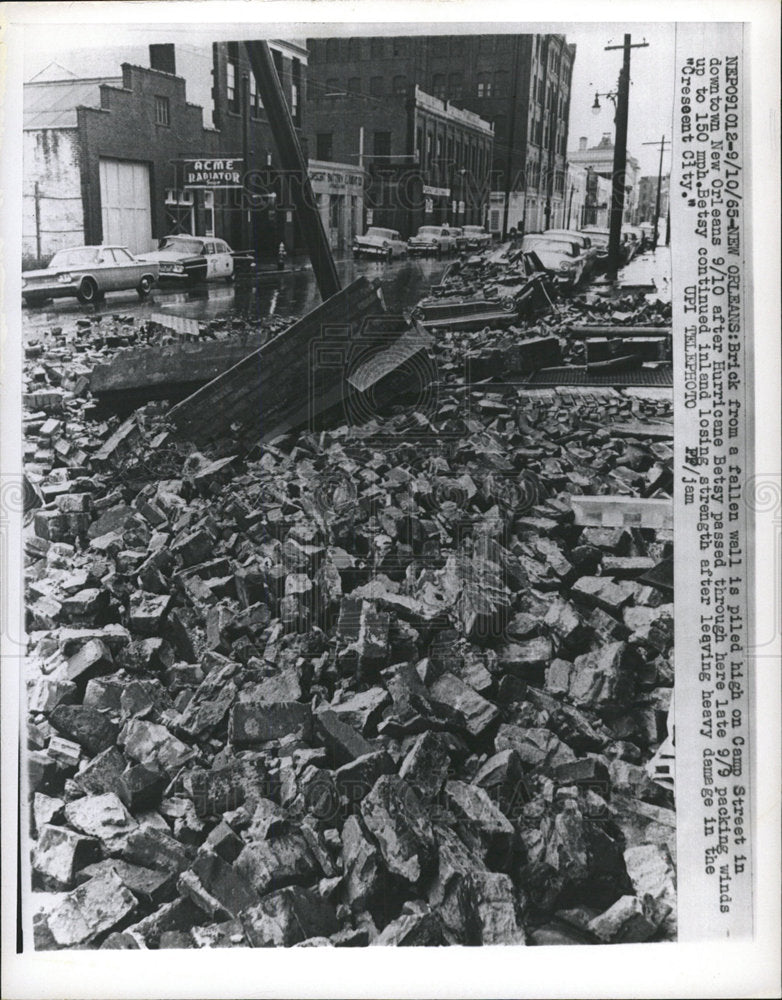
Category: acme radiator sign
[213,173]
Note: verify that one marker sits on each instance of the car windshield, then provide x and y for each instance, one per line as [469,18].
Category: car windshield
[181,245]
[383,234]
[80,257]
[430,230]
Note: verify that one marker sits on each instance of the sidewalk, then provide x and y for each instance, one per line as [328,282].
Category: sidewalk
[650,272]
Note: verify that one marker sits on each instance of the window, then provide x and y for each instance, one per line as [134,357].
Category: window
[376,48]
[231,74]
[230,86]
[439,45]
[209,213]
[354,85]
[354,49]
[162,111]
[382,144]
[332,86]
[484,85]
[376,86]
[400,85]
[277,59]
[332,49]
[457,46]
[256,105]
[429,149]
[122,256]
[438,85]
[419,144]
[336,204]
[455,85]
[296,91]
[323,146]
[500,83]
[398,46]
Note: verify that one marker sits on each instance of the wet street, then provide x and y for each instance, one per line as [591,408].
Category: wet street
[292,293]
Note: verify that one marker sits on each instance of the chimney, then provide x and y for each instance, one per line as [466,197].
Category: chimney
[161,57]
[582,144]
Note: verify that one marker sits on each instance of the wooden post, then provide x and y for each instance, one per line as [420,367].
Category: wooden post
[37,198]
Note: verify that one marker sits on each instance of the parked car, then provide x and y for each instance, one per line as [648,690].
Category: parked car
[600,238]
[433,239]
[583,242]
[88,273]
[190,259]
[562,259]
[475,238]
[636,238]
[378,242]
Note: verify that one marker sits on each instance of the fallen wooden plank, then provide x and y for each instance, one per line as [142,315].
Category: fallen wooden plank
[289,380]
[622,512]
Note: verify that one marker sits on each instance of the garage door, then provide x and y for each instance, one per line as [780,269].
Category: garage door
[125,204]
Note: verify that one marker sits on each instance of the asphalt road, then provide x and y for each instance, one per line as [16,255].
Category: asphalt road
[292,292]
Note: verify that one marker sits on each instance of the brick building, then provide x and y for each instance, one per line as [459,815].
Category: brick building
[105,158]
[426,159]
[518,83]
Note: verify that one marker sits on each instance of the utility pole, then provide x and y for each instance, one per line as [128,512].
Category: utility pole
[620,152]
[661,144]
[512,136]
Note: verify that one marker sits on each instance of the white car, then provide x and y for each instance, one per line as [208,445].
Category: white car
[564,260]
[433,239]
[88,273]
[378,242]
[583,241]
[475,238]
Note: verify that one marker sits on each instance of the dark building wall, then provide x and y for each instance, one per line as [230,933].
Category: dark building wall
[125,128]
[521,83]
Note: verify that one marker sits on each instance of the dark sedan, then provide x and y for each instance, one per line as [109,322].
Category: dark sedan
[192,259]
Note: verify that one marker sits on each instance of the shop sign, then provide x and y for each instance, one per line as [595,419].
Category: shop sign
[214,173]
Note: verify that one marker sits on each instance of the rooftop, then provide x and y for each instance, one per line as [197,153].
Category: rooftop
[53,103]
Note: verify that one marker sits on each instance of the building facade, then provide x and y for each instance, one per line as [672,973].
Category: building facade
[426,160]
[599,160]
[647,197]
[518,83]
[339,194]
[114,159]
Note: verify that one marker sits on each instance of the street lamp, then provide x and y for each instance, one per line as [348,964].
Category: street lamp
[597,106]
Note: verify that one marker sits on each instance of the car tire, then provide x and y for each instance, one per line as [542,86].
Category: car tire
[144,287]
[87,292]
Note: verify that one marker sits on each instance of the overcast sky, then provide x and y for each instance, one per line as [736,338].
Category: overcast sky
[651,93]
[651,90]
